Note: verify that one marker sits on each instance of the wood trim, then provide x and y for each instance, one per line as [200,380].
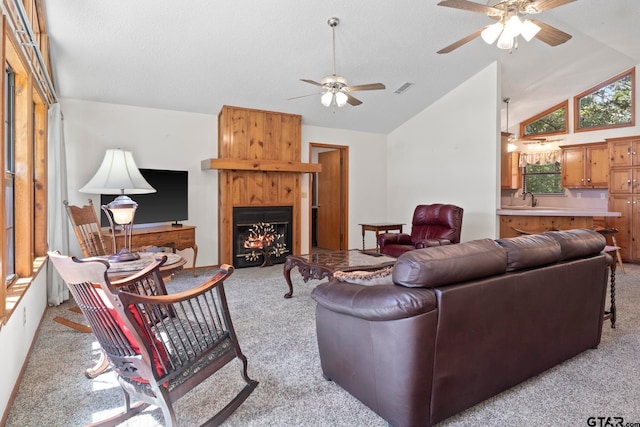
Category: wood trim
[3,274]
[259,165]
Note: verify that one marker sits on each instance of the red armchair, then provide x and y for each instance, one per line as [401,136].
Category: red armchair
[433,225]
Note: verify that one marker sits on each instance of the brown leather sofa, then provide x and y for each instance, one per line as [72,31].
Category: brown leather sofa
[432,225]
[462,323]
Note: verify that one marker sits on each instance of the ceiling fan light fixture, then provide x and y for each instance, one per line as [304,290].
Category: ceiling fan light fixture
[327,98]
[513,26]
[505,41]
[341,99]
[529,30]
[491,33]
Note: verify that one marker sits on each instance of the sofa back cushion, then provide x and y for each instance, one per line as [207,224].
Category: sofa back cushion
[530,251]
[578,243]
[443,265]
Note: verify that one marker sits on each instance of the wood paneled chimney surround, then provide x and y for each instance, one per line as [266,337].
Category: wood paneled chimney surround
[258,165]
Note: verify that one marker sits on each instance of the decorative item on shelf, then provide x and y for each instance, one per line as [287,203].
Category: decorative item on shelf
[118,174]
[264,240]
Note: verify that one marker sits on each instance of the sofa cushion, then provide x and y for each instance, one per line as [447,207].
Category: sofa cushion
[530,251]
[442,265]
[578,243]
[367,278]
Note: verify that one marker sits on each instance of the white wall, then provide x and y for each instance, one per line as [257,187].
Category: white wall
[367,179]
[159,139]
[17,335]
[449,153]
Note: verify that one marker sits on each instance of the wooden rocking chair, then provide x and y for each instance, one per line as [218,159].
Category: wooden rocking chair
[160,345]
[87,229]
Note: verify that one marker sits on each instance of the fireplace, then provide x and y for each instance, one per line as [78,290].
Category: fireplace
[261,235]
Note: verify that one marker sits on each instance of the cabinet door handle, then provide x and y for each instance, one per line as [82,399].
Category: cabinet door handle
[588,179]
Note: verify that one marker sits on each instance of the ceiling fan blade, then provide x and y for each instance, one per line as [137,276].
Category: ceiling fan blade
[311,82]
[541,5]
[550,35]
[370,86]
[351,100]
[304,96]
[462,41]
[471,7]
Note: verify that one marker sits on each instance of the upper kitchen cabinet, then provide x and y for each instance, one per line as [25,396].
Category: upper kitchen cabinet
[585,165]
[624,152]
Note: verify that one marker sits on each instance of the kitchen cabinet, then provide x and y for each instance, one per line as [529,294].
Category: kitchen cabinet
[585,165]
[624,194]
[511,172]
[624,152]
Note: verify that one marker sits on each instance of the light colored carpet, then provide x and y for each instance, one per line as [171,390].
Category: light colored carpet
[278,337]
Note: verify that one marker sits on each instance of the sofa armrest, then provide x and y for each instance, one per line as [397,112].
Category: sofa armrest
[427,243]
[394,239]
[380,302]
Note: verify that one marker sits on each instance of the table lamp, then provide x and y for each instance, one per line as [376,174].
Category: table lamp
[118,174]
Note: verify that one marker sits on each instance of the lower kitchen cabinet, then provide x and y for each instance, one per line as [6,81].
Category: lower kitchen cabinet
[628,225]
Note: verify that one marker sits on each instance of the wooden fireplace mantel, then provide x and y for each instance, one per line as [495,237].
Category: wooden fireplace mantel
[260,165]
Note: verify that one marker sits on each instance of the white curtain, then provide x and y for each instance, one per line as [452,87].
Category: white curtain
[58,223]
[542,157]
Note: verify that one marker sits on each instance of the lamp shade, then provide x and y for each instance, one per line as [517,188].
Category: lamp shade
[118,174]
[327,98]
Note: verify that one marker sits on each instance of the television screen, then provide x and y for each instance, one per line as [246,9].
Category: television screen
[169,203]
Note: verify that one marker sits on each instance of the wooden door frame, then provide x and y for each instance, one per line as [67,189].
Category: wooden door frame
[344,184]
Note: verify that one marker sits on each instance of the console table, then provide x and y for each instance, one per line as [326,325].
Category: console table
[378,227]
[162,236]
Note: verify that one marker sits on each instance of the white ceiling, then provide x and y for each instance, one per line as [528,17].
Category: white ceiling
[198,55]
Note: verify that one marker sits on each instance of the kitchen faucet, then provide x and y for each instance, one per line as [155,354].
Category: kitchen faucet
[534,202]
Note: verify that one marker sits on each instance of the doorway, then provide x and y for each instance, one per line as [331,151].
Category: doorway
[329,198]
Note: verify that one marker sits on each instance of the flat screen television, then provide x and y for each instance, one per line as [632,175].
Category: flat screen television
[170,202]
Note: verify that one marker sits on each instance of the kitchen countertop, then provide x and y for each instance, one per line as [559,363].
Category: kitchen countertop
[550,211]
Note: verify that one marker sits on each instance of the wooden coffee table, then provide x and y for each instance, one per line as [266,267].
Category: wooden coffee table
[323,264]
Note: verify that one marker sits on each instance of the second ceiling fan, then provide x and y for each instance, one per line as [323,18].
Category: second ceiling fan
[335,90]
[509,25]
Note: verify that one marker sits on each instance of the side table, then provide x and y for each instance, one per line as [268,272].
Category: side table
[379,227]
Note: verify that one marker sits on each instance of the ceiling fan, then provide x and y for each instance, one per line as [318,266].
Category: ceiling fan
[335,90]
[508,13]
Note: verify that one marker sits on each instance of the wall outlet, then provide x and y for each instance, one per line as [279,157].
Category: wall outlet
[578,195]
[602,196]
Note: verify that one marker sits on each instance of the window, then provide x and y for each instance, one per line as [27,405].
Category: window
[23,155]
[9,176]
[608,105]
[543,179]
[550,122]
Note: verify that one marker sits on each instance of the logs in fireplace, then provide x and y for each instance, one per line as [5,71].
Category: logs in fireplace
[262,235]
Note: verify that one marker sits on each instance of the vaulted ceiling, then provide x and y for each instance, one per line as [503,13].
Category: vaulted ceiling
[198,55]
